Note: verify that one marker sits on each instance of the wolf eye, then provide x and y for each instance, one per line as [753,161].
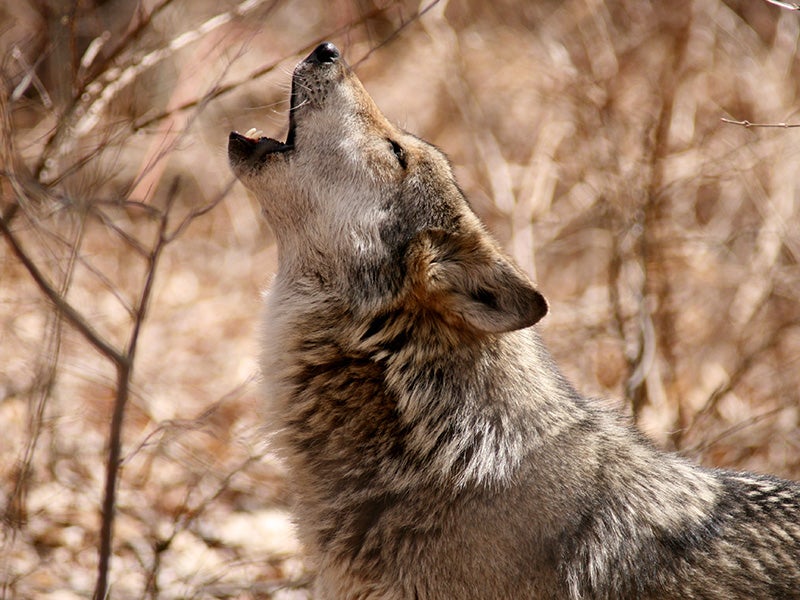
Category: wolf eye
[399,153]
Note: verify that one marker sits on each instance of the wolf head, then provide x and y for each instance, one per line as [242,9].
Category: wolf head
[374,214]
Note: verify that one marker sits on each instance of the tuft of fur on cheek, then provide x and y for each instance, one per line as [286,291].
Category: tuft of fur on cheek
[367,159]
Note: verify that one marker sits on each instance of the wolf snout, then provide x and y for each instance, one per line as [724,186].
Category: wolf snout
[324,53]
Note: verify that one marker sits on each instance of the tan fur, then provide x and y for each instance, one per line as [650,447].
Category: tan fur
[434,449]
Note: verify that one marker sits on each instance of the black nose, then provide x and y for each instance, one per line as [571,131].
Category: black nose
[324,53]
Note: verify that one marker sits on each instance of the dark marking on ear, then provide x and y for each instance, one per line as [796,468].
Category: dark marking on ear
[399,153]
[486,297]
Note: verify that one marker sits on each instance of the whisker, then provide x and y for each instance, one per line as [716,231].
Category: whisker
[268,105]
[303,103]
[303,85]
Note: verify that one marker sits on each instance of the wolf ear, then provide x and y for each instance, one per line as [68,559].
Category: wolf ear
[463,277]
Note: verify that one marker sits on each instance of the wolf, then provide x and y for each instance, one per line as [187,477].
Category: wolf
[434,449]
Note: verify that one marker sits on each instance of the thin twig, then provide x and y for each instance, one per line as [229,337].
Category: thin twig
[126,237]
[415,17]
[111,131]
[702,447]
[145,19]
[65,308]
[786,5]
[199,212]
[76,257]
[747,124]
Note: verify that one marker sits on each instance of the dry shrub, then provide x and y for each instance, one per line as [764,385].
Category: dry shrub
[588,136]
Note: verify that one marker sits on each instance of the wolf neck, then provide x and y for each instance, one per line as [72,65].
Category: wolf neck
[399,398]
[473,417]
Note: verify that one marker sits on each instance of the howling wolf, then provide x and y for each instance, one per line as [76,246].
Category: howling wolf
[434,449]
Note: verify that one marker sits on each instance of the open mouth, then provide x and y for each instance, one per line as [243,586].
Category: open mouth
[243,148]
[253,148]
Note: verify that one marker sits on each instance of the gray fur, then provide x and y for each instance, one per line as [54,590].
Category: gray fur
[435,451]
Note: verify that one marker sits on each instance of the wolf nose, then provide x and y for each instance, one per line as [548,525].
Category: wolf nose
[325,53]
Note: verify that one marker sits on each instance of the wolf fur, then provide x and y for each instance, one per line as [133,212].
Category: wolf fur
[435,451]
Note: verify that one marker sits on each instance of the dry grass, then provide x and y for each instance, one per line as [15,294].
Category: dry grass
[587,134]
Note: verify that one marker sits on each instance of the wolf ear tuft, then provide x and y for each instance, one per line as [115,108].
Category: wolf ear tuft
[467,280]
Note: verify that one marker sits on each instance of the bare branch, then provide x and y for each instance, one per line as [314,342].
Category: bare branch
[786,5]
[702,447]
[145,19]
[131,241]
[15,511]
[124,372]
[416,16]
[65,308]
[748,124]
[199,212]
[29,79]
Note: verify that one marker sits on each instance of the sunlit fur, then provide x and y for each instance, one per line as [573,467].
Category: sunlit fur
[434,449]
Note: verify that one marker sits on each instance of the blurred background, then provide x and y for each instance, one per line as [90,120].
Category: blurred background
[589,136]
